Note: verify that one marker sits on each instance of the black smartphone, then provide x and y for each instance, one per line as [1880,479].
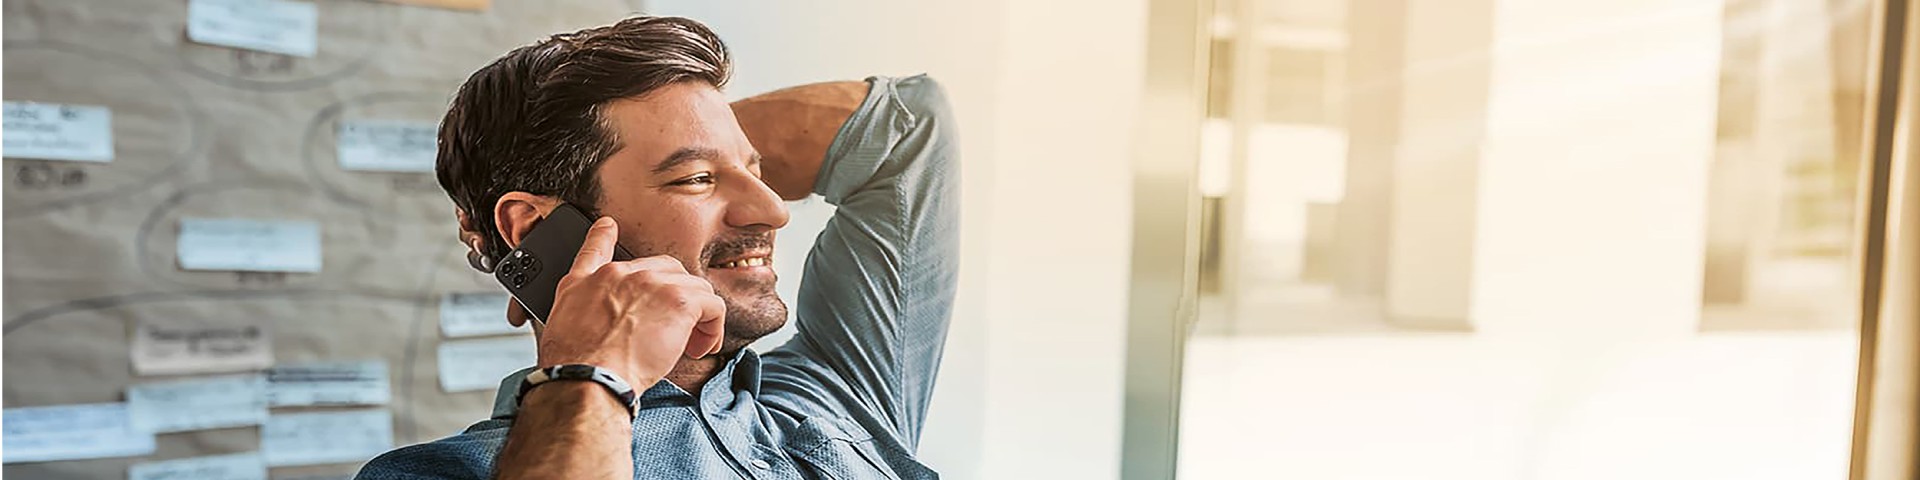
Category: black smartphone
[532,271]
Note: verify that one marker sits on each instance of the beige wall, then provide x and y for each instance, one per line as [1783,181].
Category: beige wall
[1060,232]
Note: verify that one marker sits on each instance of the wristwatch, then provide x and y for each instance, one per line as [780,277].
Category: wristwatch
[582,372]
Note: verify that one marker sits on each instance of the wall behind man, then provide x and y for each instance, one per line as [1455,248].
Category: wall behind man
[204,131]
[1045,95]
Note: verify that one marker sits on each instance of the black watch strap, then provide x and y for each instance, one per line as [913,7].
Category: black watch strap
[582,372]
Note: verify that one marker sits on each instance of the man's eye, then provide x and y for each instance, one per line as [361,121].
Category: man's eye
[701,179]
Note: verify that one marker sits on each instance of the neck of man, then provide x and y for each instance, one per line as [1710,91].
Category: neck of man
[691,374]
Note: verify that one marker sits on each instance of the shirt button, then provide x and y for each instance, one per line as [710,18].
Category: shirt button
[761,464]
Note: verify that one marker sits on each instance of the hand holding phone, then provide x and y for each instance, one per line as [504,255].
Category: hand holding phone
[532,271]
[638,317]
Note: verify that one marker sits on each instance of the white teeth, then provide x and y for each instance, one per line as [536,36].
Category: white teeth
[746,262]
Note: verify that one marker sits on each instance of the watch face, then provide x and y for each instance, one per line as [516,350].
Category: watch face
[574,371]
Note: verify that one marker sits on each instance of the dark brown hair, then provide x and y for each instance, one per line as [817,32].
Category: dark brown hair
[531,120]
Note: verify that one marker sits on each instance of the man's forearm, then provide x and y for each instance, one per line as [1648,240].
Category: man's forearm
[568,430]
[793,127]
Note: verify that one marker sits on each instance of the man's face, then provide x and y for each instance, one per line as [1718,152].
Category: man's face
[687,183]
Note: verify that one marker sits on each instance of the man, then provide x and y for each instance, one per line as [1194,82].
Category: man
[627,121]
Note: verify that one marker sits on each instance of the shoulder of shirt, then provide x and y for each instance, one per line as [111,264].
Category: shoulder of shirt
[918,95]
[468,455]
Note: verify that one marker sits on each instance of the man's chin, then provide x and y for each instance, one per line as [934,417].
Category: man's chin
[751,322]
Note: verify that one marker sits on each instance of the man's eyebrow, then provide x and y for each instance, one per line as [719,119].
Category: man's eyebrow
[684,155]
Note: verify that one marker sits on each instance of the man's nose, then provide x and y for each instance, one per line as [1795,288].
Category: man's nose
[756,207]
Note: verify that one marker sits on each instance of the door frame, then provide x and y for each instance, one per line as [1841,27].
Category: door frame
[1886,424]
[1164,281]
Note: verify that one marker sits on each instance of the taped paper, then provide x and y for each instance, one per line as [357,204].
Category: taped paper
[236,466]
[166,347]
[51,131]
[328,384]
[475,5]
[388,145]
[476,365]
[249,245]
[70,432]
[325,437]
[277,26]
[198,404]
[476,314]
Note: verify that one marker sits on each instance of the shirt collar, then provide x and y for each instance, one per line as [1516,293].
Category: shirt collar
[742,372]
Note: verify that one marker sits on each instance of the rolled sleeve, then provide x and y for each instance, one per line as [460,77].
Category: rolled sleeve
[879,283]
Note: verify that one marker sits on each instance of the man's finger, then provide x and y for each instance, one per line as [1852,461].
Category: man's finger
[663,263]
[713,321]
[516,315]
[598,249]
[711,330]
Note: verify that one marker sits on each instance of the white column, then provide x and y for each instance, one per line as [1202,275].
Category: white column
[1375,66]
[1593,177]
[1436,169]
[1552,176]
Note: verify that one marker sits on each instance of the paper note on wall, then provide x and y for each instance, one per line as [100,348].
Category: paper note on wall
[198,404]
[277,26]
[165,347]
[388,145]
[50,131]
[449,4]
[328,384]
[470,365]
[325,437]
[249,245]
[475,314]
[236,466]
[70,432]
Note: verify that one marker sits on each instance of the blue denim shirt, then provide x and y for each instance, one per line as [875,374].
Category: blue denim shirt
[846,397]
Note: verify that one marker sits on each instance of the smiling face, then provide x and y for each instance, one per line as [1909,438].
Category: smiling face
[685,182]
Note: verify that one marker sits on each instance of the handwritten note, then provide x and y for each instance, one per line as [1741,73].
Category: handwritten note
[249,245]
[325,437]
[475,314]
[475,5]
[236,466]
[70,432]
[470,365]
[50,131]
[165,347]
[328,384]
[277,26]
[198,404]
[388,145]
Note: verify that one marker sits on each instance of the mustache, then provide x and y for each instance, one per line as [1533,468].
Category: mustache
[735,245]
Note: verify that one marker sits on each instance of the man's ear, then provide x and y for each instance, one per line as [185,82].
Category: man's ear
[516,213]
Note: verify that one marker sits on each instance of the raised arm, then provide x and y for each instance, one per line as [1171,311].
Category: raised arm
[879,284]
[793,127]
